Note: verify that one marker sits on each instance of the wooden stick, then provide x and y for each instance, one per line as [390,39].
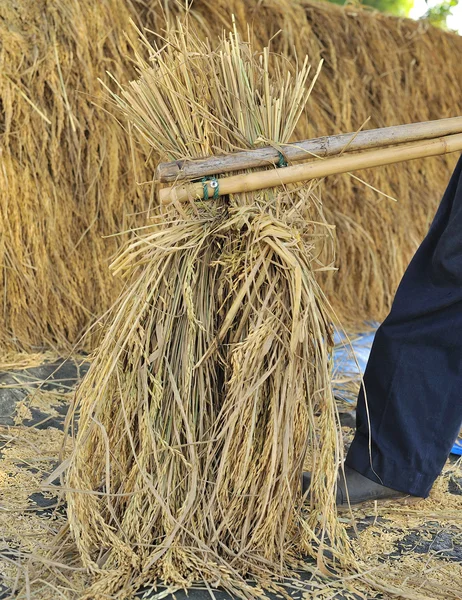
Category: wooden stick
[320,147]
[250,182]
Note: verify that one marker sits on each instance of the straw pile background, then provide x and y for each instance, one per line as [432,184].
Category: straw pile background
[69,172]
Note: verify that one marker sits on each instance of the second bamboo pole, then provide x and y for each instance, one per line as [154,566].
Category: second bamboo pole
[259,158]
[275,177]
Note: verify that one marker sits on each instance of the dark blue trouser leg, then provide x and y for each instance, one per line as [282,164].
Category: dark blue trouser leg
[411,410]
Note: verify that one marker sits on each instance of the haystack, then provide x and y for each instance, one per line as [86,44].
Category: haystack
[70,175]
[212,383]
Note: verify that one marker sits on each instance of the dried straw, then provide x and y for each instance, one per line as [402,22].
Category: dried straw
[212,382]
[404,551]
[69,173]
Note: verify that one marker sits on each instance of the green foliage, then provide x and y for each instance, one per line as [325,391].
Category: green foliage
[437,15]
[399,8]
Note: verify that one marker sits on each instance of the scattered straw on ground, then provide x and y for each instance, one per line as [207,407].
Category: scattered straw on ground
[27,530]
[389,533]
[416,546]
[24,360]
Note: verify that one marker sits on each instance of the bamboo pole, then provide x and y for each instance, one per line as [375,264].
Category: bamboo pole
[322,147]
[258,180]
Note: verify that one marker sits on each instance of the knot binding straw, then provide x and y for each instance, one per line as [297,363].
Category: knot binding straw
[211,385]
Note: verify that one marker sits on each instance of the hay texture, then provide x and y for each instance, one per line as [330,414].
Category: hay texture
[69,173]
[212,382]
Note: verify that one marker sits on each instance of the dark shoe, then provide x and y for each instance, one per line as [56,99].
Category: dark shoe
[360,488]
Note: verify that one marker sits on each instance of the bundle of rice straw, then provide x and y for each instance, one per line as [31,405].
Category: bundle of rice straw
[212,383]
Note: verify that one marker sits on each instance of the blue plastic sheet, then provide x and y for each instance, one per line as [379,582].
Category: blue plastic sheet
[351,354]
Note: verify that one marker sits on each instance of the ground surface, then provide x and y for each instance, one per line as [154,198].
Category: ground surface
[415,546]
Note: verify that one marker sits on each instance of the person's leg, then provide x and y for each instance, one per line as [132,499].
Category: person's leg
[410,409]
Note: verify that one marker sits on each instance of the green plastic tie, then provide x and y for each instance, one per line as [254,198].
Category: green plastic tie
[214,184]
[282,161]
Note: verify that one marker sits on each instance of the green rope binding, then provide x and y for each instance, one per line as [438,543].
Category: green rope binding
[213,184]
